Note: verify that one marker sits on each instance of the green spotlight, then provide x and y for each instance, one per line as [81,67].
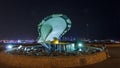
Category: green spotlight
[80,44]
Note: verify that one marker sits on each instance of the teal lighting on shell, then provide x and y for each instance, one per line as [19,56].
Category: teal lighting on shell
[53,26]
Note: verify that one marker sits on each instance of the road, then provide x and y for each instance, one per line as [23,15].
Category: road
[112,62]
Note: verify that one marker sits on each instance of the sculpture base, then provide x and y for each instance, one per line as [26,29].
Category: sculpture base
[51,62]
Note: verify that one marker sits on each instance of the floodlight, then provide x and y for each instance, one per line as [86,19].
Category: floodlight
[80,49]
[80,44]
[9,46]
[19,46]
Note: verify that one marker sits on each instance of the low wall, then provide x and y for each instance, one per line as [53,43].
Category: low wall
[107,45]
[51,62]
[113,45]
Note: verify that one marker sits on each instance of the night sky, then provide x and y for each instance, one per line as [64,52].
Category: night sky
[19,18]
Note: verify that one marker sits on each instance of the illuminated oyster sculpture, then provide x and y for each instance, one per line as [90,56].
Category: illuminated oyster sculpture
[53,26]
[51,29]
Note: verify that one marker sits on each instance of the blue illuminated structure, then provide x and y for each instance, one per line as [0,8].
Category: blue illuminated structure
[50,30]
[53,26]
